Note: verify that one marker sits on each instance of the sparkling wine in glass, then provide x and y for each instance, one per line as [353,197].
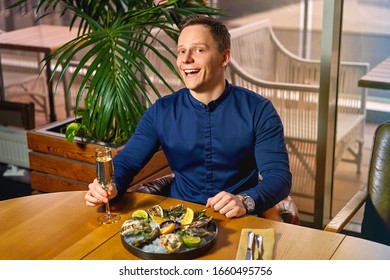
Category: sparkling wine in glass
[105,177]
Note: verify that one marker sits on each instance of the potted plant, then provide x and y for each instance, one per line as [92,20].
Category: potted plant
[113,38]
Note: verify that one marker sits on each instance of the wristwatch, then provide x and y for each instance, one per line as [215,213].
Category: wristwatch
[248,202]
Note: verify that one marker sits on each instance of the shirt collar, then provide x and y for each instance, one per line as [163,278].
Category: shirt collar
[212,104]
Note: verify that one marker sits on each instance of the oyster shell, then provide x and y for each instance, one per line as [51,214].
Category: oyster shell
[156,211]
[201,222]
[202,227]
[171,242]
[134,226]
[149,238]
[199,231]
[175,212]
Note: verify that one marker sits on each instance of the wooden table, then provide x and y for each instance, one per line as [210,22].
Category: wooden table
[60,226]
[39,38]
[378,77]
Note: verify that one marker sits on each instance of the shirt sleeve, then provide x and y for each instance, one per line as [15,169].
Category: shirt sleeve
[271,158]
[137,152]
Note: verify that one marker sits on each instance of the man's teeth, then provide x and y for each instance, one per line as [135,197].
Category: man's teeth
[191,71]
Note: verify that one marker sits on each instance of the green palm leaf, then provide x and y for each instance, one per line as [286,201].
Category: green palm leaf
[113,38]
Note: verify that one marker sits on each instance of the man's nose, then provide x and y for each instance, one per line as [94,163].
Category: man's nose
[187,57]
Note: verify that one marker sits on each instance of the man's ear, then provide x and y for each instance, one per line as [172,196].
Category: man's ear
[226,57]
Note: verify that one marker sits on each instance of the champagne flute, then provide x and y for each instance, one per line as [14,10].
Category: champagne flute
[105,177]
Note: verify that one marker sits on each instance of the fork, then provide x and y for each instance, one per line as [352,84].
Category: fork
[259,241]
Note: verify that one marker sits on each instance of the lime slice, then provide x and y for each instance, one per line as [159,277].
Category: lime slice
[140,214]
[191,241]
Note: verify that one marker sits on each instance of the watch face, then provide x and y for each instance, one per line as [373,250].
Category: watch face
[249,203]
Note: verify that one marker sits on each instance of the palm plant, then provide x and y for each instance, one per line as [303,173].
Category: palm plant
[113,37]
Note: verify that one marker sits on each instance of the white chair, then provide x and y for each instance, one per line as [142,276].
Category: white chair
[261,63]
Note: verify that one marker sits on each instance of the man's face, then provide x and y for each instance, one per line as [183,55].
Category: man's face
[198,60]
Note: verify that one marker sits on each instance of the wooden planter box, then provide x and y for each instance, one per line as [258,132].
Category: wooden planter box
[57,165]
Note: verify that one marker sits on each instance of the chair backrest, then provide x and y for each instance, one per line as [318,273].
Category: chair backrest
[17,114]
[376,220]
[257,49]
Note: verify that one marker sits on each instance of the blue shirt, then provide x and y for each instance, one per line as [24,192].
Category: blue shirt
[224,145]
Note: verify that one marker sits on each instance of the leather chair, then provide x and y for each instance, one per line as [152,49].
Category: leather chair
[376,195]
[284,211]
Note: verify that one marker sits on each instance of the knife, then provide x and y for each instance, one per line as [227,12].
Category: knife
[249,249]
[259,241]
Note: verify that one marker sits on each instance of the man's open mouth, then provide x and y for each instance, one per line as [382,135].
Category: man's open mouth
[189,72]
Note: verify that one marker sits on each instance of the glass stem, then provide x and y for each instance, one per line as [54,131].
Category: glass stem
[108,208]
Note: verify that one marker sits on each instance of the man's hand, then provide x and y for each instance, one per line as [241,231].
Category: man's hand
[97,196]
[227,204]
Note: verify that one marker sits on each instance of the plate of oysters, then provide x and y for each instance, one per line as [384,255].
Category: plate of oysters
[174,233]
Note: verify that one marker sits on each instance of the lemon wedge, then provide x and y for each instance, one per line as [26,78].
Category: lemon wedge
[157,220]
[168,229]
[140,214]
[188,217]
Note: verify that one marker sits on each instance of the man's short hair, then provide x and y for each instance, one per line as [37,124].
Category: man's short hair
[218,30]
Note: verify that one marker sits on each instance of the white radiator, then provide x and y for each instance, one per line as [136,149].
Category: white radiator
[13,146]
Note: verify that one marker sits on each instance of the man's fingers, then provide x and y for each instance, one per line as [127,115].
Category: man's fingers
[226,204]
[94,198]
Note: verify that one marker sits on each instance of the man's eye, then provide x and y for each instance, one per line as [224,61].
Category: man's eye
[199,50]
[180,52]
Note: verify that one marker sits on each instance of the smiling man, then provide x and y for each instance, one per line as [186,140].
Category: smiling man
[224,143]
[202,62]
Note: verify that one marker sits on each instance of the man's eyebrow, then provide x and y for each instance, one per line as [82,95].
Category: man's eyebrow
[194,44]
